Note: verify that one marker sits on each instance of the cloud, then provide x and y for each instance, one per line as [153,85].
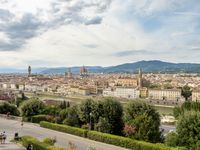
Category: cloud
[20,28]
[133,52]
[90,45]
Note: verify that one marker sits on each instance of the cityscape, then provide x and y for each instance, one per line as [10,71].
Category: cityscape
[99,75]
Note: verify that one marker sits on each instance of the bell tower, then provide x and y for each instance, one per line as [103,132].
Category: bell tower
[29,70]
[140,78]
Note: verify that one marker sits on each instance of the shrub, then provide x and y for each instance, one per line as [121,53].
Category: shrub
[127,142]
[38,118]
[32,107]
[64,128]
[171,139]
[37,145]
[49,141]
[7,107]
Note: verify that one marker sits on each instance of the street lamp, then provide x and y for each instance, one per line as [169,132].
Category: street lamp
[90,120]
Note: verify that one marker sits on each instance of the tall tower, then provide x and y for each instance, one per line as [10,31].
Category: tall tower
[29,70]
[140,78]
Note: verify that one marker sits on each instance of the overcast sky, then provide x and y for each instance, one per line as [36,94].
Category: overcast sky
[98,32]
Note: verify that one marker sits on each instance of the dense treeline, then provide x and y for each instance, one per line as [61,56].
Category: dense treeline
[188,127]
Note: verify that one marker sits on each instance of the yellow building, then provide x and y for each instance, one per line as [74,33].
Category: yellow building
[143,92]
[127,82]
[165,94]
[196,95]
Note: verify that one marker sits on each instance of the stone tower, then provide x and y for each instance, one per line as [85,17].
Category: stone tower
[29,70]
[140,78]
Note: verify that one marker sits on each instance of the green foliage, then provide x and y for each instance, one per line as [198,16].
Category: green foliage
[145,119]
[63,114]
[188,129]
[64,128]
[112,111]
[72,118]
[37,145]
[7,107]
[103,125]
[171,139]
[187,106]
[64,105]
[32,107]
[51,110]
[86,108]
[186,92]
[126,142]
[49,141]
[38,118]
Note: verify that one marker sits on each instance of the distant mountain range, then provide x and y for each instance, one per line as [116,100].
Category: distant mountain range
[153,66]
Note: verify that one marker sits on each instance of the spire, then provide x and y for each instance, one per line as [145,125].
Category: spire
[140,78]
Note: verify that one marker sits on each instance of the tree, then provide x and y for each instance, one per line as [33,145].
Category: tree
[86,110]
[171,139]
[103,125]
[72,118]
[63,105]
[112,111]
[32,107]
[145,119]
[188,129]
[186,92]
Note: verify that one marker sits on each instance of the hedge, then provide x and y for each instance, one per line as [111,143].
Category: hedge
[64,128]
[37,145]
[108,138]
[127,142]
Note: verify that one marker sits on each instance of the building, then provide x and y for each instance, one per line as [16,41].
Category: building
[143,92]
[196,95]
[164,94]
[83,71]
[140,78]
[122,92]
[127,82]
[68,74]
[29,70]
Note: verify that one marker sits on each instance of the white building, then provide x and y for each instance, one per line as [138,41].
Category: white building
[122,92]
[165,94]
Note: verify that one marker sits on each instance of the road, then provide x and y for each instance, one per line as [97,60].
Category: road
[168,128]
[63,139]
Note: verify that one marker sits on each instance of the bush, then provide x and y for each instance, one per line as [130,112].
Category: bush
[126,142]
[171,139]
[64,128]
[38,118]
[49,141]
[7,107]
[37,145]
[32,107]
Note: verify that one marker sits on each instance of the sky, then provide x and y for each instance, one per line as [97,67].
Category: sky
[52,33]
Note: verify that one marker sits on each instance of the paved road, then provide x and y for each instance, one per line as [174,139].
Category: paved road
[10,146]
[63,139]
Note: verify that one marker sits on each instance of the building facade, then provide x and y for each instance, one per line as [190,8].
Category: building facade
[164,94]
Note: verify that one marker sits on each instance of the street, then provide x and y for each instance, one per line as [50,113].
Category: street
[63,139]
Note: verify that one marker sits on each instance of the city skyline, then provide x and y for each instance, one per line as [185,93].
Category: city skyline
[72,33]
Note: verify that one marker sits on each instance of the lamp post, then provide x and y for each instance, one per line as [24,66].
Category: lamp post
[90,121]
